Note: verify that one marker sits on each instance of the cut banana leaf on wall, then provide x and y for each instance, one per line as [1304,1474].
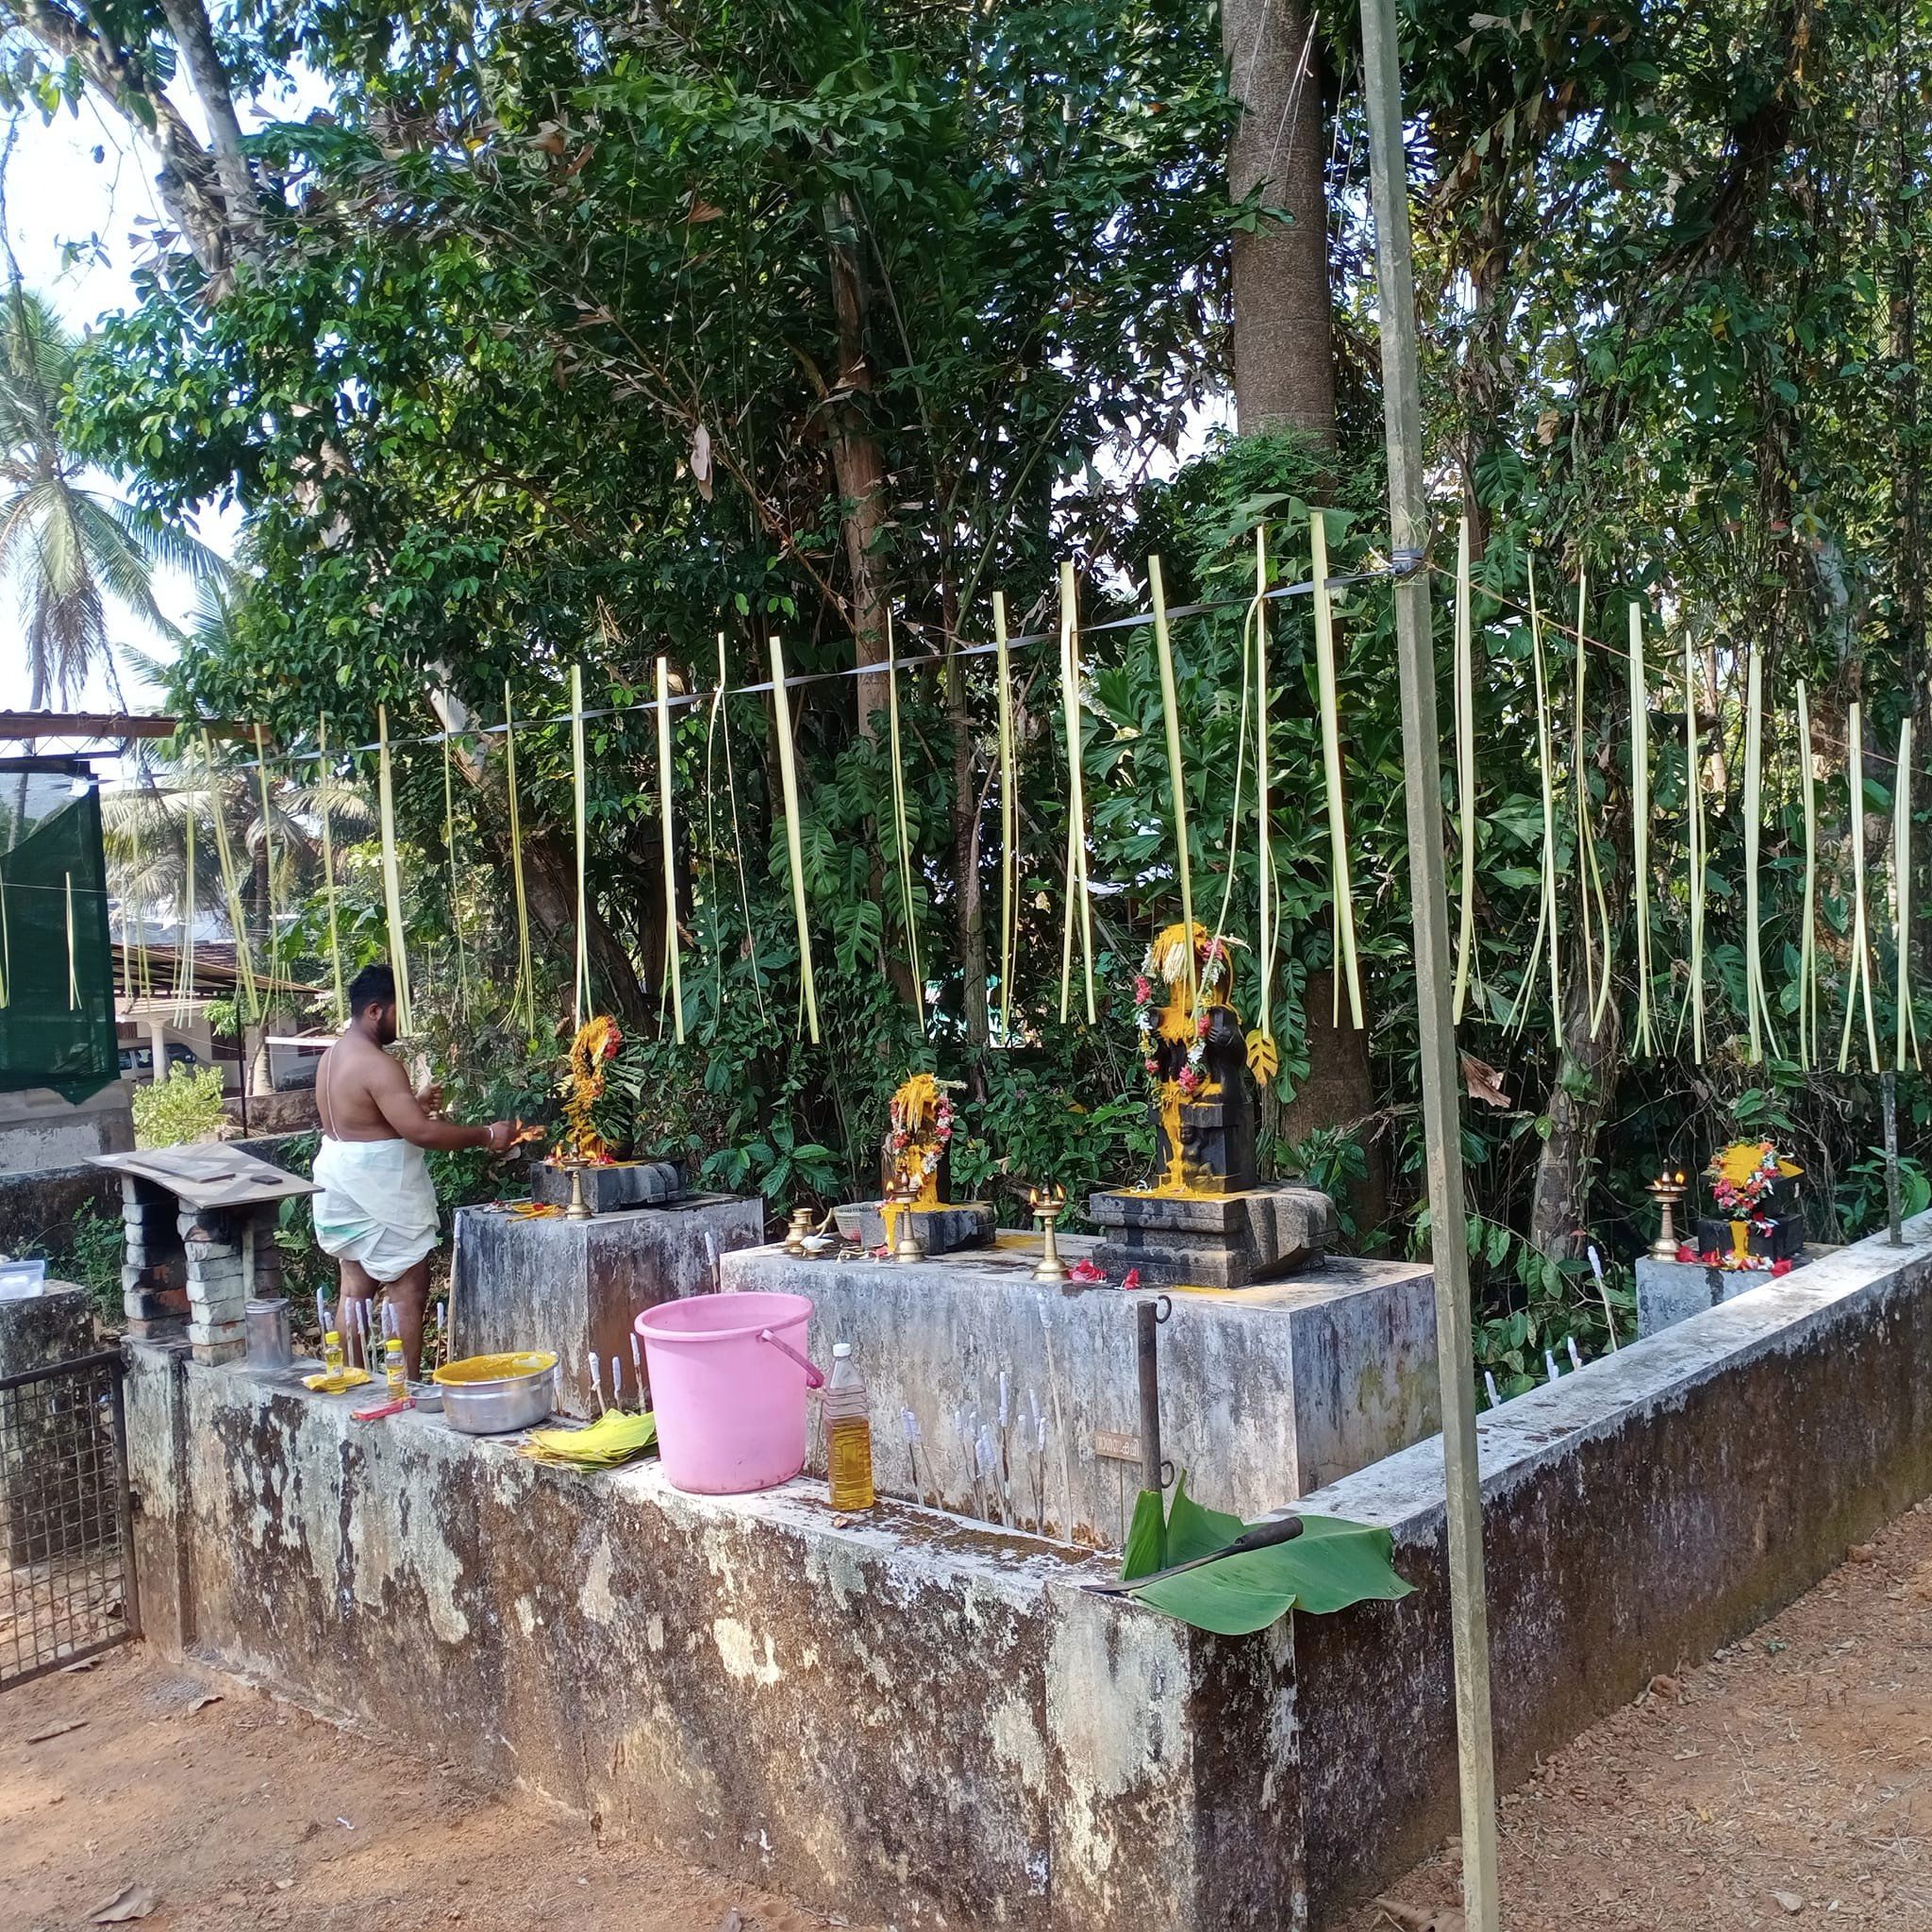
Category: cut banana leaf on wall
[1332,1564]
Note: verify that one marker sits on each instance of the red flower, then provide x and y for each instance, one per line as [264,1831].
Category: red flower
[1131,1279]
[1085,1271]
[1153,1065]
[1202,1024]
[1782,1267]
[1687,1252]
[1144,989]
[1189,1079]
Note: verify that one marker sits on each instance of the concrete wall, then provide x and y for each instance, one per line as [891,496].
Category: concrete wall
[39,1130]
[1265,1393]
[907,1719]
[1637,1515]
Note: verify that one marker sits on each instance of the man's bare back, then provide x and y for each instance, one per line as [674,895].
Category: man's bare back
[380,1222]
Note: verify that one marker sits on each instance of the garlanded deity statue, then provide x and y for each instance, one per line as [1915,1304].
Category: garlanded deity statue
[583,1087]
[914,1158]
[1197,1059]
[1758,1225]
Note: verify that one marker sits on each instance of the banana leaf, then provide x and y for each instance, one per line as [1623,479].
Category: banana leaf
[1332,1564]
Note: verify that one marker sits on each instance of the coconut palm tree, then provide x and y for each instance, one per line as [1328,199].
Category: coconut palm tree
[70,550]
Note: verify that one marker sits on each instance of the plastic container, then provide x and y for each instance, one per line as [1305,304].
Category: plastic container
[392,1374]
[728,1379]
[848,1434]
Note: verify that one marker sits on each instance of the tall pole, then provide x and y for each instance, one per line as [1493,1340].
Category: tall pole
[1434,965]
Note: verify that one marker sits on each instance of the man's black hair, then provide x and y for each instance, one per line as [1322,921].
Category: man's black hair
[374,985]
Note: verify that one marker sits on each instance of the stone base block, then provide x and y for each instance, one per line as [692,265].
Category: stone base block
[214,1354]
[577,1285]
[941,1230]
[623,1184]
[1212,1241]
[217,1331]
[1671,1292]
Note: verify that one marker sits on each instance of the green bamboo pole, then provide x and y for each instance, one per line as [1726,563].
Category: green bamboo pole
[1640,826]
[1589,870]
[73,974]
[329,870]
[1465,763]
[1693,799]
[267,852]
[1757,1001]
[1010,814]
[1808,941]
[1264,862]
[523,994]
[184,985]
[671,947]
[391,878]
[788,774]
[1439,1075]
[1902,895]
[1076,802]
[1341,886]
[900,825]
[1176,775]
[449,846]
[250,997]
[1546,917]
[1859,977]
[581,995]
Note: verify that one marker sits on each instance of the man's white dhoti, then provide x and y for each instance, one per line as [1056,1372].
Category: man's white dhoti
[377,1205]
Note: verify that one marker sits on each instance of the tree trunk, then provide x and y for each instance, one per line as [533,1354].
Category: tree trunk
[1284,354]
[1580,1095]
[187,21]
[1339,1091]
[857,467]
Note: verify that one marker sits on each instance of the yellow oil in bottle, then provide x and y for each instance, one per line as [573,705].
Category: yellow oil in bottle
[848,1434]
[332,1352]
[848,1461]
[392,1371]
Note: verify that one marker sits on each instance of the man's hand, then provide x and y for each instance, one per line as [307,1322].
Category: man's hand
[502,1136]
[429,1096]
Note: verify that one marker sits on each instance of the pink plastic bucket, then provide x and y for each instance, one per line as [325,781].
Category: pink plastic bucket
[730,1405]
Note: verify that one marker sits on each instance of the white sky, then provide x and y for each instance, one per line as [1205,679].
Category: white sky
[63,200]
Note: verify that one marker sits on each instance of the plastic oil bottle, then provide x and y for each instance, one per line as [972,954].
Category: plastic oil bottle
[392,1371]
[332,1355]
[848,1433]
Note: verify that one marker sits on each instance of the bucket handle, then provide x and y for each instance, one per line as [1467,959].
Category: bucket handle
[814,1378]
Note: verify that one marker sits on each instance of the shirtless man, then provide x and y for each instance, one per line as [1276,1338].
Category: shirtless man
[375,1212]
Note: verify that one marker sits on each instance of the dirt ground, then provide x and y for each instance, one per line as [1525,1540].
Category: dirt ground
[245,1812]
[1788,1779]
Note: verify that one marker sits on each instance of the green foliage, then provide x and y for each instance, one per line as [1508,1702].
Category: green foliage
[92,1256]
[1332,1564]
[183,1108]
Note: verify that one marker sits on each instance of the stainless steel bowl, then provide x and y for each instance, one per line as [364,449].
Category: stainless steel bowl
[477,1403]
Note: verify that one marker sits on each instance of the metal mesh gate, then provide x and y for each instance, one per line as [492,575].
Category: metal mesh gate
[66,1567]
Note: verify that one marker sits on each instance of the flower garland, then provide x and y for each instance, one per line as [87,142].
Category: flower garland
[1166,960]
[1737,1190]
[910,1107]
[596,1043]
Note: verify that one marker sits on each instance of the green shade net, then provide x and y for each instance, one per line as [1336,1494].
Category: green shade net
[56,1029]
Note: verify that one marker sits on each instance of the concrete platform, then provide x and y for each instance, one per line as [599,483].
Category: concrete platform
[575,1286]
[918,1720]
[906,1718]
[1266,1392]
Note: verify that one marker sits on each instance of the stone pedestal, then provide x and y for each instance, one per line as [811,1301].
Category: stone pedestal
[1265,1393]
[1212,1241]
[617,1184]
[941,1230]
[1671,1292]
[577,1285]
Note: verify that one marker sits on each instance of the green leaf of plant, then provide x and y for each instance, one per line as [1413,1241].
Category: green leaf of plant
[1332,1564]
